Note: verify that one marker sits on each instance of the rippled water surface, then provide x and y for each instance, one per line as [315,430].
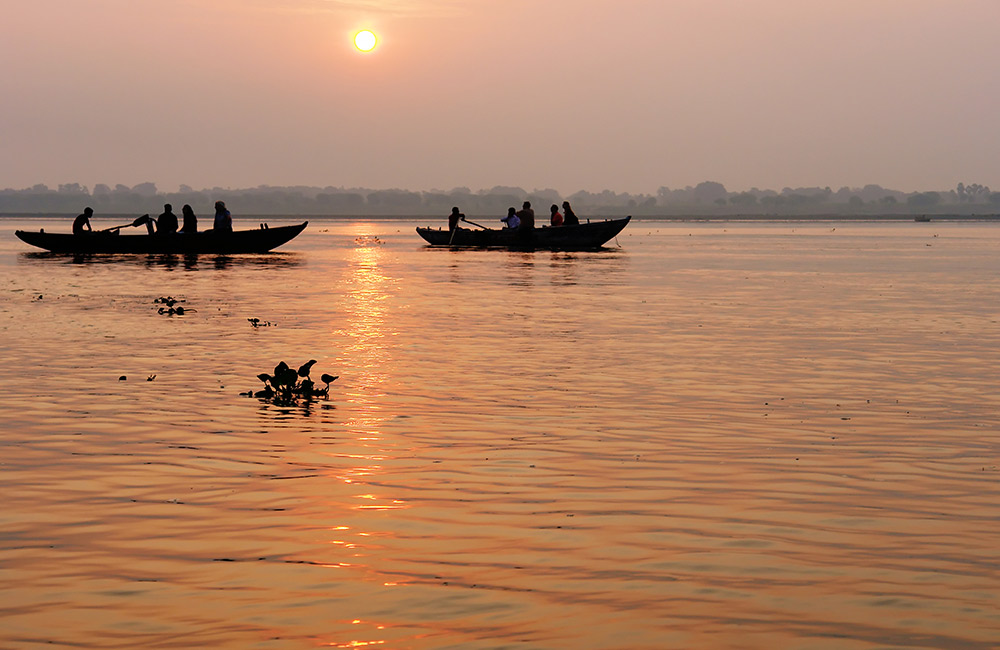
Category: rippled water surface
[718,435]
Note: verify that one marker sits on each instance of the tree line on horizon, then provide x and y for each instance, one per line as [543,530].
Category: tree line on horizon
[708,198]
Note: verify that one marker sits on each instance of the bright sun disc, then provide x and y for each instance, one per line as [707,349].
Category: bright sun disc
[365,41]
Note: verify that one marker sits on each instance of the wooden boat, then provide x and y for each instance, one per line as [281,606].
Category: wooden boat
[210,242]
[585,236]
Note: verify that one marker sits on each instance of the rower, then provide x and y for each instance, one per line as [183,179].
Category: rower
[81,225]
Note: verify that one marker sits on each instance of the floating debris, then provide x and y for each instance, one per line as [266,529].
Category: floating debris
[256,322]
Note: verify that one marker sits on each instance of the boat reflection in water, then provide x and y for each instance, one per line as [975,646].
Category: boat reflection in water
[189,262]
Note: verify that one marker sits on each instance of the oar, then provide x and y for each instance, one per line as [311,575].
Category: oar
[475,224]
[138,221]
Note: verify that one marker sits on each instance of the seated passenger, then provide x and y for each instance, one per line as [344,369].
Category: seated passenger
[166,223]
[511,220]
[527,216]
[223,219]
[556,219]
[190,221]
[571,218]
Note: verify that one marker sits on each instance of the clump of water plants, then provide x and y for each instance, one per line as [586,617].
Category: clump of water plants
[256,322]
[287,384]
[170,309]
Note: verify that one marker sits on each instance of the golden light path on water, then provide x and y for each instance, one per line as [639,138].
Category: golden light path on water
[722,435]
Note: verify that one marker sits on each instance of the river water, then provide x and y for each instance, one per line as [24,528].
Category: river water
[716,435]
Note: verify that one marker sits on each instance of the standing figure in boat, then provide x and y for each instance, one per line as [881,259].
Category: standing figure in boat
[223,219]
[166,223]
[556,219]
[81,225]
[570,216]
[190,221]
[511,221]
[454,218]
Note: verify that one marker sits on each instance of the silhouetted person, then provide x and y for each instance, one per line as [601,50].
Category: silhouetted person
[527,216]
[556,219]
[166,223]
[511,220]
[223,219]
[570,216]
[190,221]
[81,224]
[454,218]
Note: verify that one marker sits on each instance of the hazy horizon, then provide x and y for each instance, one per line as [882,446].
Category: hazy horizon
[629,95]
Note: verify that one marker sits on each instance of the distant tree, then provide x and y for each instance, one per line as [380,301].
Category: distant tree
[546,195]
[147,190]
[773,201]
[923,199]
[888,200]
[995,198]
[709,191]
[73,188]
[743,199]
[101,190]
[856,202]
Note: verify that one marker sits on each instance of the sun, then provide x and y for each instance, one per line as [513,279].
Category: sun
[365,40]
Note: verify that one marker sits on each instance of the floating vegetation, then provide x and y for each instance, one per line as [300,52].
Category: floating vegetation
[169,309]
[287,385]
[256,322]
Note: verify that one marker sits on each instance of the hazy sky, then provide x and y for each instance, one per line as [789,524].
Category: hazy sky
[628,95]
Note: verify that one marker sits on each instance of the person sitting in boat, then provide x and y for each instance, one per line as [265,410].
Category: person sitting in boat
[556,219]
[570,218]
[166,223]
[190,221]
[454,218]
[527,216]
[511,220]
[81,225]
[223,219]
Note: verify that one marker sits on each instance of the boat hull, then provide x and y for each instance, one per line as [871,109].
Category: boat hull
[585,236]
[261,240]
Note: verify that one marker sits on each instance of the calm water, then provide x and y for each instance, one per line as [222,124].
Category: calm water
[716,436]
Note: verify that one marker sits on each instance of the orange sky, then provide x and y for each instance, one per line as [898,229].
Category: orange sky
[628,95]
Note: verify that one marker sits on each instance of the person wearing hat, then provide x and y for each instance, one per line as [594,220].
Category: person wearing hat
[81,225]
